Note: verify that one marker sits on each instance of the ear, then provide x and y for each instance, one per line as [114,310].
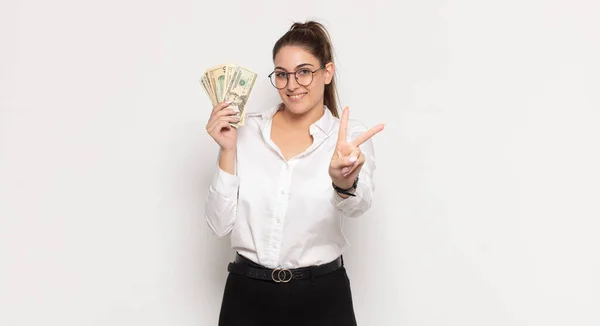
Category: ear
[329,71]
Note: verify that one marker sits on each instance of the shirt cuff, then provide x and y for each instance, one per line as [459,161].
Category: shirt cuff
[225,184]
[346,203]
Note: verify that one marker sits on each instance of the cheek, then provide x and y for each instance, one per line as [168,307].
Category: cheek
[317,89]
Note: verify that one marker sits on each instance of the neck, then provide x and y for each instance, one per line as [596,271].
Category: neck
[302,121]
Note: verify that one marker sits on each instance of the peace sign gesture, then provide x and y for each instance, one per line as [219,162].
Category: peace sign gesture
[347,158]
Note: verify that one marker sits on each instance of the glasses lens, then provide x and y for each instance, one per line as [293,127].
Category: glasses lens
[279,79]
[304,77]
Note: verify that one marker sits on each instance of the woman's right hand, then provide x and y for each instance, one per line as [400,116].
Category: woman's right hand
[218,126]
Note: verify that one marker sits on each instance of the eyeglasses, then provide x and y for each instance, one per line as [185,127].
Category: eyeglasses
[303,76]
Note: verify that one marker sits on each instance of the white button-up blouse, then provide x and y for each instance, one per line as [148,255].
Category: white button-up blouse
[285,213]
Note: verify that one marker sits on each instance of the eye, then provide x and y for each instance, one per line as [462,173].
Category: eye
[303,72]
[280,74]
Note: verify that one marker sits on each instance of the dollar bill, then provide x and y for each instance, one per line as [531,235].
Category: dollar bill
[217,77]
[229,82]
[211,93]
[230,70]
[238,92]
[207,89]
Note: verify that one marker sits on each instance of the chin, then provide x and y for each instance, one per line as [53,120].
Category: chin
[297,108]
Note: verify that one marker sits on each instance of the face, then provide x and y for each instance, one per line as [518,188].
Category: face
[296,97]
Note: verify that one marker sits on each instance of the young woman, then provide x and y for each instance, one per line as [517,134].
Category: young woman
[285,181]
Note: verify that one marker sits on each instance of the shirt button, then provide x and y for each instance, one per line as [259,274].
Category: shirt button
[282,191]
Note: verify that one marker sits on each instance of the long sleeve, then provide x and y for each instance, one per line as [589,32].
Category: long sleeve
[361,202]
[221,202]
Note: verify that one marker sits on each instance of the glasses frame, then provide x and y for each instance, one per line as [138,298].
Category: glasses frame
[287,77]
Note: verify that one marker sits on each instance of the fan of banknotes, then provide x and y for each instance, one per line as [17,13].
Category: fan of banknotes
[229,82]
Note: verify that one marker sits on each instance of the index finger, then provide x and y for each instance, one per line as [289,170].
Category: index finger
[367,135]
[221,106]
[343,125]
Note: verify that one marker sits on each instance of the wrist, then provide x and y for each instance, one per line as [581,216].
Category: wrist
[345,190]
[346,194]
[345,184]
[227,160]
[228,151]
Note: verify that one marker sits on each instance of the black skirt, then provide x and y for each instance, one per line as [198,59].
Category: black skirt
[316,300]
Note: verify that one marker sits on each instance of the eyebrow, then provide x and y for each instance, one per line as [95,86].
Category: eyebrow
[298,66]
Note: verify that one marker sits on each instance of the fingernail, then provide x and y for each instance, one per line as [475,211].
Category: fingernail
[344,171]
[228,102]
[352,159]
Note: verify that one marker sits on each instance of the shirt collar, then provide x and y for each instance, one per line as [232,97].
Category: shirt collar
[324,125]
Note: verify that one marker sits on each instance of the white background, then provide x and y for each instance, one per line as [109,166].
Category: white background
[486,208]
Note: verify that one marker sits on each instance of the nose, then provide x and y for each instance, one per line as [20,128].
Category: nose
[292,83]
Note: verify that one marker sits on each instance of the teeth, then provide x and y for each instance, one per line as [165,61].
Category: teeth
[297,96]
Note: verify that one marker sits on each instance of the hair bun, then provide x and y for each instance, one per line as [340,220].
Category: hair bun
[307,25]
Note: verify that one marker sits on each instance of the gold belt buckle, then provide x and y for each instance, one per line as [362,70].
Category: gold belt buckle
[280,275]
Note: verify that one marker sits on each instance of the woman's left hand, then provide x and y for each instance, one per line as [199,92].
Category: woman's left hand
[347,158]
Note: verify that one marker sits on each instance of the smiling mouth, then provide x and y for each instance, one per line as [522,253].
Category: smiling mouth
[297,97]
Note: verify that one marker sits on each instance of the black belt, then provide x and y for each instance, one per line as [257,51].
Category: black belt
[246,267]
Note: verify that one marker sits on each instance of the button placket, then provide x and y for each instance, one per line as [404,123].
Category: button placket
[280,209]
